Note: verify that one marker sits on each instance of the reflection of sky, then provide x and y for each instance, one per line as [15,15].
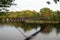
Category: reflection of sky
[8,32]
[34,5]
[32,31]
[51,36]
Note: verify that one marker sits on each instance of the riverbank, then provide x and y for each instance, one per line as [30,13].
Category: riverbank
[28,20]
[43,22]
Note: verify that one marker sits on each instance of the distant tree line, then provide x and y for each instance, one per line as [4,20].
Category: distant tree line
[43,13]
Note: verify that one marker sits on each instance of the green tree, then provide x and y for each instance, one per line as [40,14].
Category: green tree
[4,4]
[55,1]
[44,12]
[58,14]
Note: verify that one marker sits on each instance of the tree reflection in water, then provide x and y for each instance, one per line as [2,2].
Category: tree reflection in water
[45,28]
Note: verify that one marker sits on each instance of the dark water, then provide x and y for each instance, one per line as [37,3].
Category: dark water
[21,31]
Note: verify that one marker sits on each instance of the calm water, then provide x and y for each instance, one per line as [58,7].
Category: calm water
[21,31]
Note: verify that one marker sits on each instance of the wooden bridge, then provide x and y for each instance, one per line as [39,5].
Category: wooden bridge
[28,20]
[21,19]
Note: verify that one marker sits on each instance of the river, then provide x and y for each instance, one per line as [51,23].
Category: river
[21,31]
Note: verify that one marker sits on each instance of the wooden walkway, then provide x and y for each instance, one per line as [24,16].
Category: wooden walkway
[28,20]
[21,19]
[42,22]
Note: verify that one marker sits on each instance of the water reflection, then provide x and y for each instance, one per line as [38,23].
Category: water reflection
[21,31]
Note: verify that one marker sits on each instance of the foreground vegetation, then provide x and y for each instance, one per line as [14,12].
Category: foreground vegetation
[43,13]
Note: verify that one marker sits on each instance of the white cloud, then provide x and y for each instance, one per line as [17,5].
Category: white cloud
[34,5]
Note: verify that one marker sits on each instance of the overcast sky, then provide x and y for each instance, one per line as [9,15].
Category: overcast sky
[34,5]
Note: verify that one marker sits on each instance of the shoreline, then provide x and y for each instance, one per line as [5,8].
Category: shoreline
[28,20]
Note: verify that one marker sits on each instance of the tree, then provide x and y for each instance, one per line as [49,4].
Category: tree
[58,14]
[45,12]
[48,2]
[55,1]
[4,4]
